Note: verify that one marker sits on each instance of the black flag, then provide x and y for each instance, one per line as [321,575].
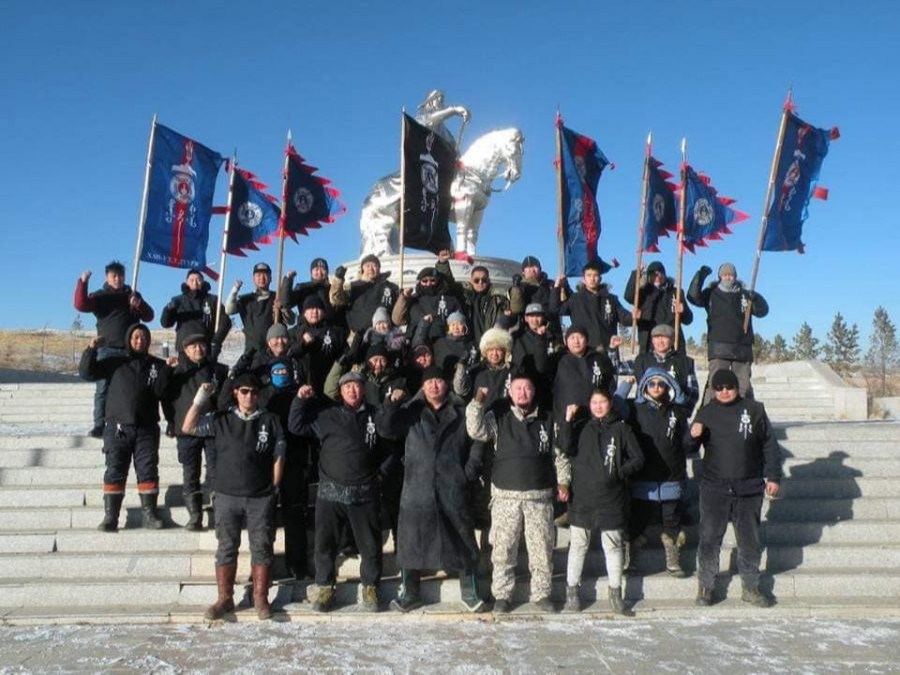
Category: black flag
[429,167]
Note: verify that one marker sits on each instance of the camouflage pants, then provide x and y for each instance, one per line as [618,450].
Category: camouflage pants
[511,513]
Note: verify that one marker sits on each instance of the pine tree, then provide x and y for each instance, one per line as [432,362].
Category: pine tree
[762,349]
[804,346]
[780,351]
[884,351]
[842,349]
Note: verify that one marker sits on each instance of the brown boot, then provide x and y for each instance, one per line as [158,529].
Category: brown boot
[225,582]
[261,592]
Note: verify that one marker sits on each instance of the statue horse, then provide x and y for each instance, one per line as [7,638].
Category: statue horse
[497,154]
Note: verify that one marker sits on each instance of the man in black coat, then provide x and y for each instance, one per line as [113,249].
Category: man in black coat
[256,309]
[192,370]
[725,301]
[194,311]
[436,531]
[318,342]
[137,382]
[658,304]
[536,350]
[678,364]
[352,464]
[318,285]
[117,308]
[370,291]
[741,462]
[432,298]
[580,371]
[483,303]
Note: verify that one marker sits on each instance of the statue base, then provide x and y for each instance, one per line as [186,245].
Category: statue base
[500,269]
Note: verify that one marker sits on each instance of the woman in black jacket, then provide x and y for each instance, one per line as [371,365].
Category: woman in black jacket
[604,454]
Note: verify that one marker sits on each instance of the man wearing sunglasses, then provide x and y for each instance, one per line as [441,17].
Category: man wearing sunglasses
[484,304]
[250,450]
[741,463]
[677,364]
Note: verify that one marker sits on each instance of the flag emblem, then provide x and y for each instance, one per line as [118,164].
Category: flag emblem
[250,215]
[659,207]
[703,212]
[304,200]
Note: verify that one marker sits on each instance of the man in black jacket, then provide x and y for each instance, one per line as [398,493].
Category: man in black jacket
[257,309]
[193,369]
[116,308]
[741,462]
[536,350]
[658,304]
[137,382]
[370,291]
[725,301]
[678,364]
[194,311]
[318,285]
[250,446]
[318,343]
[483,303]
[352,464]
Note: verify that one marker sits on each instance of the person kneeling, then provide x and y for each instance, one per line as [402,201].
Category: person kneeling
[250,450]
[604,454]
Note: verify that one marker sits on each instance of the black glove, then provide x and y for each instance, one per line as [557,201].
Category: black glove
[705,271]
[516,279]
[340,272]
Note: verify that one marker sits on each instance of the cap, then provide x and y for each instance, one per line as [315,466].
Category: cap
[418,350]
[318,262]
[313,302]
[371,258]
[433,372]
[376,350]
[534,308]
[664,330]
[724,377]
[530,261]
[262,267]
[456,317]
[575,328]
[379,315]
[352,376]
[247,380]
[276,330]
[193,339]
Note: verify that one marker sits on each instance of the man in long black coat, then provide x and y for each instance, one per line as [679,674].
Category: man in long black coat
[436,530]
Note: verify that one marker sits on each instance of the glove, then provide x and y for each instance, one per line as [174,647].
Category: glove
[340,272]
[516,279]
[705,271]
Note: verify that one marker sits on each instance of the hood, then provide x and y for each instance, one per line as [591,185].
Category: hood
[128,333]
[676,396]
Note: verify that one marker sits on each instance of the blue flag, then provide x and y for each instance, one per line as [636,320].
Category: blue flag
[253,217]
[582,164]
[179,201]
[660,216]
[310,200]
[707,215]
[802,151]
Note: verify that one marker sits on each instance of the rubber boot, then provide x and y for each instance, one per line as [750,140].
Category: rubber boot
[225,575]
[148,509]
[194,505]
[408,599]
[673,555]
[112,505]
[261,592]
[468,592]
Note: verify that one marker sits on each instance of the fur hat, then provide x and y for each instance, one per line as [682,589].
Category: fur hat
[495,338]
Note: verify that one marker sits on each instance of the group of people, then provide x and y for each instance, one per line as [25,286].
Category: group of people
[436,412]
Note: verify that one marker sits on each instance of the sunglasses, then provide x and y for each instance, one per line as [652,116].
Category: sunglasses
[479,280]
[657,384]
[725,387]
[247,391]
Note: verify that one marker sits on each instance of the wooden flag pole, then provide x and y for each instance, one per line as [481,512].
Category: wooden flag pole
[764,222]
[223,257]
[640,242]
[282,232]
[560,236]
[402,193]
[143,214]
[681,219]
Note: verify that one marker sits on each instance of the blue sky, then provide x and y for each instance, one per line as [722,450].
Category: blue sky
[81,81]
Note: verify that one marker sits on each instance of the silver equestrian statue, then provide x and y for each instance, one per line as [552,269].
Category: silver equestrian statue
[497,154]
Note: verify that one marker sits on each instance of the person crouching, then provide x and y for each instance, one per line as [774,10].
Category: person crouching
[250,450]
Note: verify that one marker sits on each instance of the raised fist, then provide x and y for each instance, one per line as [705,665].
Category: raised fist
[305,392]
[85,276]
[481,394]
[398,395]
[340,272]
[97,342]
[705,271]
[237,284]
[571,409]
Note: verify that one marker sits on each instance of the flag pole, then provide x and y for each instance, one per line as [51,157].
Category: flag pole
[223,257]
[143,215]
[640,241]
[560,237]
[764,222]
[282,222]
[681,219]
[402,192]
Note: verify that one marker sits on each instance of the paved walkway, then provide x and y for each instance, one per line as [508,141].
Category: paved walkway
[453,646]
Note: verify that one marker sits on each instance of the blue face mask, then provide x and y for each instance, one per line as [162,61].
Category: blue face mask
[281,376]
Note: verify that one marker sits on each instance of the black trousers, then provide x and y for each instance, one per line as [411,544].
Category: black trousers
[644,512]
[232,514]
[190,455]
[365,522]
[294,499]
[121,444]
[716,510]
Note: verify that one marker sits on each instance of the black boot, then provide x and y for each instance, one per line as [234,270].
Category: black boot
[468,591]
[194,504]
[112,505]
[408,599]
[148,509]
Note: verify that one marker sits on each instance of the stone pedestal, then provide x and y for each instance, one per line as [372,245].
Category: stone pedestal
[501,269]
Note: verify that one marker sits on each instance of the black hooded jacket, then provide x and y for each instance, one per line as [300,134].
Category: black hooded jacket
[658,307]
[137,382]
[194,312]
[367,296]
[184,382]
[600,313]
